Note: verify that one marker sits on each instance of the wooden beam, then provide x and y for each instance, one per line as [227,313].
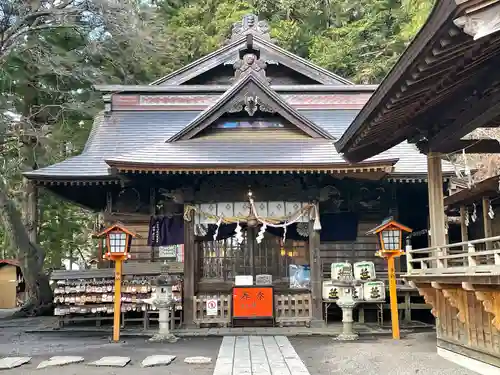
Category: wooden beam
[478,114]
[472,146]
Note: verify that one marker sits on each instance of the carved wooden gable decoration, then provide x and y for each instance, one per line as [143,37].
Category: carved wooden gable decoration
[251,34]
[251,95]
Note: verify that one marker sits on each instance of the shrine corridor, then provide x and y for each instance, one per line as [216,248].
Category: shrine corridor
[258,355]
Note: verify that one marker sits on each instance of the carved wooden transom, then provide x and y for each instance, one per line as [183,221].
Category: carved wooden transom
[249,63]
[250,104]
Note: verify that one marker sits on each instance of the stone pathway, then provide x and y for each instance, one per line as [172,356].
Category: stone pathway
[111,361]
[258,355]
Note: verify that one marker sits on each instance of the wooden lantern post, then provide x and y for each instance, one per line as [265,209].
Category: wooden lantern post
[390,238]
[118,240]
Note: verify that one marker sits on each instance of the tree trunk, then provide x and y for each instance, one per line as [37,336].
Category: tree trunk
[31,257]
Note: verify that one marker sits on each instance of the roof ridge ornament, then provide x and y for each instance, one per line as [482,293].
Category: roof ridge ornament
[250,24]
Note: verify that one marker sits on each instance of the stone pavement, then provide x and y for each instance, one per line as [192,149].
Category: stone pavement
[258,355]
[332,330]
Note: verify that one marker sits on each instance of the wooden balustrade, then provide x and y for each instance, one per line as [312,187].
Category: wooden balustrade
[452,259]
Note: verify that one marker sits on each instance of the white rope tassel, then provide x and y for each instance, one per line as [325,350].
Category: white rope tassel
[219,222]
[317,222]
[260,236]
[474,213]
[284,234]
[239,234]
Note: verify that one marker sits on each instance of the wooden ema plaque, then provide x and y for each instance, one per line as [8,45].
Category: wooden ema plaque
[253,302]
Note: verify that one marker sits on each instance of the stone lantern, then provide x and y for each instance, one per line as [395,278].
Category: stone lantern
[163,302]
[347,303]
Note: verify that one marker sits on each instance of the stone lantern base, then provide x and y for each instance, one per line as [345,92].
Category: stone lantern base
[164,337]
[347,305]
[164,334]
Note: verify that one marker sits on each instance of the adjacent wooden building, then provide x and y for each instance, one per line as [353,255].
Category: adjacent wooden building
[11,284]
[445,85]
[175,160]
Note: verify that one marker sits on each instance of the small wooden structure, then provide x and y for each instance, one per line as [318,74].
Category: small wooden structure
[444,86]
[174,161]
[11,284]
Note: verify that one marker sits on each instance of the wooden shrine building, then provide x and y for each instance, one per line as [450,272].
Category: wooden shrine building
[445,85]
[175,161]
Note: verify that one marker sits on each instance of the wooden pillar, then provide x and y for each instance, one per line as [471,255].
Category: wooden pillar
[316,276]
[436,199]
[189,272]
[464,231]
[488,230]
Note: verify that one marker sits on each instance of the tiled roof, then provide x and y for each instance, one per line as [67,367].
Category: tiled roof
[228,151]
[140,133]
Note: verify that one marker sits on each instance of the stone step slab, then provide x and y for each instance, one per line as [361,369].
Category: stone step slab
[199,360]
[60,361]
[13,362]
[158,360]
[113,361]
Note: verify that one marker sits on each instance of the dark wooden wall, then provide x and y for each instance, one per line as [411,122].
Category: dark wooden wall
[363,249]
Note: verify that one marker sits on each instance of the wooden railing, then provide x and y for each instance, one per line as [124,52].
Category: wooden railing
[463,258]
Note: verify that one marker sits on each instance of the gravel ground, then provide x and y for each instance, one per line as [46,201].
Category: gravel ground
[12,343]
[415,354]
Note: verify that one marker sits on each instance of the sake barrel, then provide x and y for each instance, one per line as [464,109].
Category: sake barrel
[364,271]
[331,291]
[374,291]
[338,268]
[357,294]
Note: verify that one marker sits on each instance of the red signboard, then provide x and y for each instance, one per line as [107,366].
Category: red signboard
[253,303]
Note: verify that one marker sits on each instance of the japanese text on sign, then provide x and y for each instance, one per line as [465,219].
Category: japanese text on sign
[253,302]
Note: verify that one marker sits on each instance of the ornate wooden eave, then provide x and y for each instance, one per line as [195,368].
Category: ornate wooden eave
[385,166]
[484,188]
[76,181]
[418,99]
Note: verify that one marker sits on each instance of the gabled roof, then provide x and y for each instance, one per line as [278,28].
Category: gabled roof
[250,86]
[124,132]
[271,51]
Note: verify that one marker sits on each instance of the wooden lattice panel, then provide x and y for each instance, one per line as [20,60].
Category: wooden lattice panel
[293,309]
[223,317]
